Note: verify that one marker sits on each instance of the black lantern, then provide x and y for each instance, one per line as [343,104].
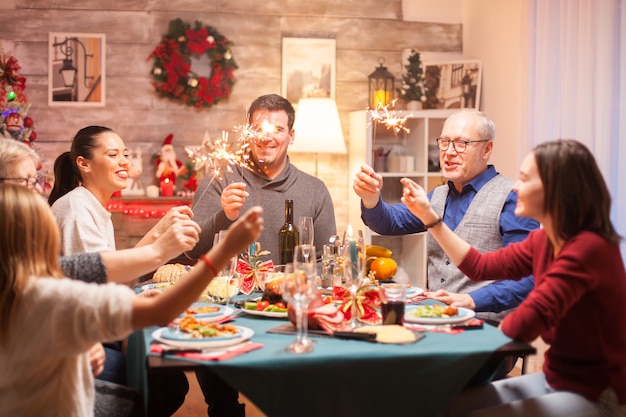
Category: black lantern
[381,86]
[466,84]
[68,72]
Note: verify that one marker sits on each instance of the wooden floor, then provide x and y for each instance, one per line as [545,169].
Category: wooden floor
[195,406]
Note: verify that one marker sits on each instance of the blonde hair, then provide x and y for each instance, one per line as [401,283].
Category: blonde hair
[13,152]
[30,244]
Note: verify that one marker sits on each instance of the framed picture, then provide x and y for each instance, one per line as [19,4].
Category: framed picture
[308,68]
[76,69]
[453,85]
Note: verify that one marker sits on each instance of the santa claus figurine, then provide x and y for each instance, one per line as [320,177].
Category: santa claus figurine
[168,167]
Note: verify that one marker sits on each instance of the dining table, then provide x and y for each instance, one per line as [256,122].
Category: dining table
[340,377]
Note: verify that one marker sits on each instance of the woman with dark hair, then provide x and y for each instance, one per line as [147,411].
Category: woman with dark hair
[577,306]
[85,178]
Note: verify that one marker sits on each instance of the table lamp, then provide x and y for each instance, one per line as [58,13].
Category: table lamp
[317,128]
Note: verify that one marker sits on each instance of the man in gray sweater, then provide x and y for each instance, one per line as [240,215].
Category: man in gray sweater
[270,180]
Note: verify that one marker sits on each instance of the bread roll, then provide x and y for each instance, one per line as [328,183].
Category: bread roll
[169,273]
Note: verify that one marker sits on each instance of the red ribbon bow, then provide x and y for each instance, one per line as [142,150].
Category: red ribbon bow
[250,283]
[367,301]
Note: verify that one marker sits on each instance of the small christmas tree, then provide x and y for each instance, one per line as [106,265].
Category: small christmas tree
[14,122]
[413,88]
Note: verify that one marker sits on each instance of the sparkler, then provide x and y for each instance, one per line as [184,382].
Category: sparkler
[213,155]
[223,154]
[386,116]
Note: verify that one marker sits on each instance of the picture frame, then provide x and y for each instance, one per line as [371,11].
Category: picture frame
[76,69]
[308,68]
[453,84]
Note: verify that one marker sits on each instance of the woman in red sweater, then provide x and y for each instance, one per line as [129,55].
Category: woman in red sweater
[578,305]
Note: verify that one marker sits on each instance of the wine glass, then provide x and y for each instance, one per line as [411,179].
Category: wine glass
[232,280]
[304,259]
[298,287]
[353,253]
[307,235]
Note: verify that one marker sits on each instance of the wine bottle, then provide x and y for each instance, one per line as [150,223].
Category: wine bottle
[287,236]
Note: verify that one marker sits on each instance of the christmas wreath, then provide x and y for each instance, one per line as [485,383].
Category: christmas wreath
[172,73]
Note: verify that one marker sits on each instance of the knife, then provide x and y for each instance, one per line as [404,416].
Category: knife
[370,337]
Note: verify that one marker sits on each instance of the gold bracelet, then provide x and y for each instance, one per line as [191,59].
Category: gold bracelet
[433,224]
[209,263]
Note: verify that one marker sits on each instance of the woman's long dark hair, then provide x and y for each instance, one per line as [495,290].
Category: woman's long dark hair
[576,195]
[66,173]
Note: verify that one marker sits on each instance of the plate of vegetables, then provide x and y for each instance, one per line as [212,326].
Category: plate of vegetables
[437,314]
[265,309]
[199,334]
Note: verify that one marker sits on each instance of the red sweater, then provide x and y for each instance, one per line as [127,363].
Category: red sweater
[578,307]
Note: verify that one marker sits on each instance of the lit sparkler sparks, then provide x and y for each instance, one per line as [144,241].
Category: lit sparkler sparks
[213,156]
[386,116]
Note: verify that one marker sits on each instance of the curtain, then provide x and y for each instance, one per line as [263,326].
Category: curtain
[575,82]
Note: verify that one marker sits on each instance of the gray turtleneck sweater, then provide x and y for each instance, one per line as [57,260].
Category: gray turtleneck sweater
[309,194]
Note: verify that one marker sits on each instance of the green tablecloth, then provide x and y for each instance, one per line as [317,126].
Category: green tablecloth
[346,377]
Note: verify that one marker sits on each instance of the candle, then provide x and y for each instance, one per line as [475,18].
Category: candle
[353,253]
[167,188]
[352,245]
[381,98]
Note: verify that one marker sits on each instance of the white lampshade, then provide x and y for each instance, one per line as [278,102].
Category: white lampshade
[317,127]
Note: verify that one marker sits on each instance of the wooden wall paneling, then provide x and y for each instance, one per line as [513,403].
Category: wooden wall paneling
[34,25]
[197,5]
[364,30]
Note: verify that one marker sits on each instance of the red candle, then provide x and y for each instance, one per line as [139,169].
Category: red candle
[167,188]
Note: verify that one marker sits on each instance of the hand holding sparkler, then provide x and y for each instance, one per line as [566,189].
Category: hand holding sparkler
[232,199]
[367,185]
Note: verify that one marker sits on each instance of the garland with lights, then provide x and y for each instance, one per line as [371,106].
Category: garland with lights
[14,122]
[172,74]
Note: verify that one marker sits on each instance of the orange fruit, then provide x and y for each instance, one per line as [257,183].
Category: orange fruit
[385,268]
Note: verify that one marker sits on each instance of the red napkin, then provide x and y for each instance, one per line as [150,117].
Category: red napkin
[217,355]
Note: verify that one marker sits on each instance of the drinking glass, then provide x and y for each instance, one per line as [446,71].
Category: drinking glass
[329,253]
[304,258]
[299,289]
[307,235]
[232,280]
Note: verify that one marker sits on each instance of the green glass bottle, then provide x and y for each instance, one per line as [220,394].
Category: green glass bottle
[287,236]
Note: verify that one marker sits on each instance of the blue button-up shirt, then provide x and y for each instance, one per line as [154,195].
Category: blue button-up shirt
[397,219]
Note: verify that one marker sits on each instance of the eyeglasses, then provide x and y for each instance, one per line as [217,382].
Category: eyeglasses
[30,182]
[459,145]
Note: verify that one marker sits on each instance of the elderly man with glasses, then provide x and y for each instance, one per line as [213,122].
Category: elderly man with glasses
[477,203]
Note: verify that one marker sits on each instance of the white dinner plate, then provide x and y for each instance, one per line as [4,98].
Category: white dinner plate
[412,292]
[464,315]
[199,304]
[273,314]
[245,333]
[155,286]
[226,311]
[170,333]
